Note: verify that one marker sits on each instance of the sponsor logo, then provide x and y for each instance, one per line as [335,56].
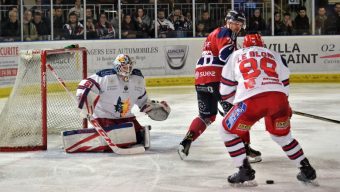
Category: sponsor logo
[176,55]
[235,115]
[282,124]
[205,74]
[243,127]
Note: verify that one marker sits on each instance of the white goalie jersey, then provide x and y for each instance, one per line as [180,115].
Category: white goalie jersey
[110,96]
[251,71]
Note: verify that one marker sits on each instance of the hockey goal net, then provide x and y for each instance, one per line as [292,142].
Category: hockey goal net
[38,104]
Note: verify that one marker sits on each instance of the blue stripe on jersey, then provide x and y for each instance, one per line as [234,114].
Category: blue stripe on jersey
[105,72]
[284,61]
[216,61]
[224,32]
[137,72]
[226,51]
[142,95]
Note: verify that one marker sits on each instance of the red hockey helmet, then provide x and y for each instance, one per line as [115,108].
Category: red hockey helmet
[253,40]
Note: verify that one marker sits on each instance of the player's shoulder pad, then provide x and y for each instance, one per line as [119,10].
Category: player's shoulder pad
[137,72]
[105,72]
[224,32]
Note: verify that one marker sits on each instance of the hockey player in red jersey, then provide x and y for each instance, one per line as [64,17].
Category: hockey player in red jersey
[217,47]
[256,80]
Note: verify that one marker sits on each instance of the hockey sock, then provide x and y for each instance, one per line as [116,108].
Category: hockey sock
[197,127]
[291,147]
[234,145]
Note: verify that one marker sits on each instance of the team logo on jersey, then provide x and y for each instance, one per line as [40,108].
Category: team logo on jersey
[176,55]
[122,107]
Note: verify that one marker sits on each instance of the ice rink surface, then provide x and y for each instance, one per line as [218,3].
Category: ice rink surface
[208,165]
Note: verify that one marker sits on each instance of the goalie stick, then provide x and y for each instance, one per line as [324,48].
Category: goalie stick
[97,126]
[316,117]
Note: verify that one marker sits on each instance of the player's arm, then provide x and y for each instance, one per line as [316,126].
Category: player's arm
[88,93]
[225,46]
[284,74]
[228,83]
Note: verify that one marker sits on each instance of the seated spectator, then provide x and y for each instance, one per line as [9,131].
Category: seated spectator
[163,25]
[189,23]
[278,24]
[143,23]
[180,23]
[78,10]
[257,24]
[105,29]
[73,29]
[287,28]
[200,30]
[91,32]
[43,27]
[320,19]
[58,23]
[332,24]
[29,30]
[11,27]
[58,2]
[89,13]
[207,22]
[128,28]
[301,22]
[43,9]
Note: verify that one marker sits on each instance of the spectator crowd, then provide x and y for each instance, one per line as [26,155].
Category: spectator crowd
[73,23]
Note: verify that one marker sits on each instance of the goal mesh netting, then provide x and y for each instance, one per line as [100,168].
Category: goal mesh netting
[38,104]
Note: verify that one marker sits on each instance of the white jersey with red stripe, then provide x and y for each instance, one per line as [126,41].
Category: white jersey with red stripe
[253,70]
[117,97]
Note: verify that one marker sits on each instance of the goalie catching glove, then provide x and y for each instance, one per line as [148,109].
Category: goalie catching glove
[158,111]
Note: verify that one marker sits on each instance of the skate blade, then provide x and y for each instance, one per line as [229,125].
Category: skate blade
[254,159]
[182,155]
[313,183]
[252,183]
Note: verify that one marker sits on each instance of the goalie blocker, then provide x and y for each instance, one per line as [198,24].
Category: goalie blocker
[88,140]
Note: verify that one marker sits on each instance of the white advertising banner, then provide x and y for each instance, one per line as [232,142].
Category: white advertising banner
[177,57]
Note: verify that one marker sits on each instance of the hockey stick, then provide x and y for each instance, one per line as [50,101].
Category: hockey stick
[316,117]
[97,126]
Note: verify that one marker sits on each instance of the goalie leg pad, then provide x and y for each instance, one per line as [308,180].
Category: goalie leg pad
[88,140]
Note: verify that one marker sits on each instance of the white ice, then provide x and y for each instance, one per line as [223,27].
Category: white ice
[208,165]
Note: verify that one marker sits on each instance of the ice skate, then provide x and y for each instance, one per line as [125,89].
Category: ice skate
[307,173]
[253,155]
[244,177]
[184,146]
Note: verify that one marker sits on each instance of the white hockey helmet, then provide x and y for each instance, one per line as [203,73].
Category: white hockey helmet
[123,65]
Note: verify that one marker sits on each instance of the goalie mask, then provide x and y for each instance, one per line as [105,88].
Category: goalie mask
[123,66]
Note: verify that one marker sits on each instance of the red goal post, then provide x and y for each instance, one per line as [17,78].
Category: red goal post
[38,105]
